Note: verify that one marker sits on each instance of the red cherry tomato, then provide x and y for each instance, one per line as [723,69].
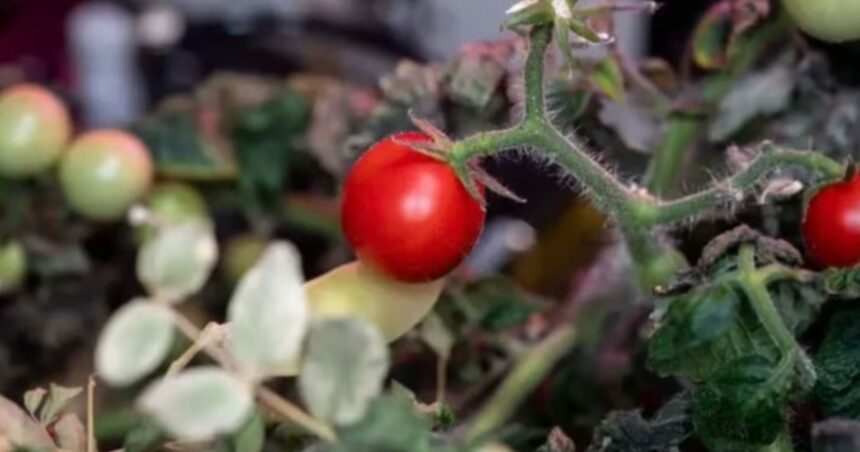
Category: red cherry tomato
[831,227]
[408,214]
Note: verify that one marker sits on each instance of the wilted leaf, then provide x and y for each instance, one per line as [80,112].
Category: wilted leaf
[70,434]
[838,365]
[198,404]
[33,400]
[757,94]
[58,399]
[627,431]
[717,34]
[177,262]
[134,342]
[744,405]
[19,429]
[268,312]
[343,371]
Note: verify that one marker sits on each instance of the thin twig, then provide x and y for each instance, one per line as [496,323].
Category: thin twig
[91,436]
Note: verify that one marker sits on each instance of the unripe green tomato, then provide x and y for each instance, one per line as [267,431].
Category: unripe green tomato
[104,173]
[13,266]
[173,203]
[828,20]
[240,254]
[34,130]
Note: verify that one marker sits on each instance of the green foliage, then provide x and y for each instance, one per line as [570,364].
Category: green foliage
[146,436]
[743,407]
[391,425]
[842,282]
[628,431]
[838,365]
[704,331]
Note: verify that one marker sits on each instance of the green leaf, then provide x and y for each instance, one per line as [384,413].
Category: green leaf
[838,365]
[627,431]
[144,437]
[251,436]
[134,342]
[198,404]
[33,400]
[744,406]
[263,136]
[177,262]
[179,149]
[391,425]
[268,312]
[343,370]
[705,330]
[608,77]
[842,282]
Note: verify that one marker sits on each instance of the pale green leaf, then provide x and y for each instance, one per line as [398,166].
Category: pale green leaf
[268,313]
[134,342]
[57,401]
[198,404]
[33,400]
[177,262]
[343,370]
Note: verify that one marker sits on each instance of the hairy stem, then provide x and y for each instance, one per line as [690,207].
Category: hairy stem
[754,286]
[525,376]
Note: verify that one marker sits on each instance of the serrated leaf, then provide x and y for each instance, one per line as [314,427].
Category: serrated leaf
[705,330]
[268,312]
[744,406]
[134,342]
[58,399]
[177,262]
[628,431]
[70,434]
[198,404]
[343,370]
[838,366]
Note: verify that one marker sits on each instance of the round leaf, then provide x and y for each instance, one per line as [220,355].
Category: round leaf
[178,260]
[343,371]
[269,312]
[134,342]
[198,404]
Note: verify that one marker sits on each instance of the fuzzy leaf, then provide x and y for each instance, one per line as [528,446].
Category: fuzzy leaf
[343,370]
[744,406]
[268,312]
[134,342]
[198,404]
[627,431]
[838,365]
[705,330]
[177,262]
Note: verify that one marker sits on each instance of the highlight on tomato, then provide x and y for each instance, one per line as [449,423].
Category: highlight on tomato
[34,129]
[408,214]
[104,172]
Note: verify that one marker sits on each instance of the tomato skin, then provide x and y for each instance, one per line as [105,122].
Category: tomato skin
[173,203]
[104,172]
[408,214]
[34,129]
[828,20]
[831,226]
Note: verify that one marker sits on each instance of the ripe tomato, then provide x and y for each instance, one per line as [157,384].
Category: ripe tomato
[104,173]
[408,214]
[831,226]
[34,129]
[828,20]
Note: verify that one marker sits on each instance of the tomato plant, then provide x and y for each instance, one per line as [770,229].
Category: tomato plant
[104,172]
[829,20]
[34,129]
[407,213]
[830,226]
[172,203]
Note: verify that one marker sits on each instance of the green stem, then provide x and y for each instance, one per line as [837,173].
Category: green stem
[665,165]
[733,188]
[753,284]
[525,377]
[539,41]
